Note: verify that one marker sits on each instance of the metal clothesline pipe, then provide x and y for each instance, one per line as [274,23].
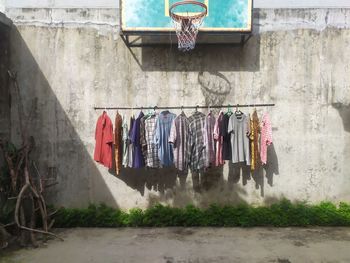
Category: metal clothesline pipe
[187,107]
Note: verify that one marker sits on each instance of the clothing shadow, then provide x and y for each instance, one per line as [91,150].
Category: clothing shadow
[268,170]
[157,180]
[202,189]
[55,123]
[344,112]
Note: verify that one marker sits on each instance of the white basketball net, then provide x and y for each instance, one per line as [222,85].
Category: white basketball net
[187,31]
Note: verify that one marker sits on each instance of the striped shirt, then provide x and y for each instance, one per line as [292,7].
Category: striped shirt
[178,137]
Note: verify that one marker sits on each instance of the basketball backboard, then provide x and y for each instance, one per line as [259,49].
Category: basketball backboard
[225,19]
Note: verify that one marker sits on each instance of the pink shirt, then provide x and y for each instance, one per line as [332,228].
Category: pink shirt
[219,140]
[266,137]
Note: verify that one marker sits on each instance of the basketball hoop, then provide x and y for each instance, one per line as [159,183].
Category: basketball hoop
[187,25]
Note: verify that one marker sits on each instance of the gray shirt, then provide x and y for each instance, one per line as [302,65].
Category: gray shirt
[239,131]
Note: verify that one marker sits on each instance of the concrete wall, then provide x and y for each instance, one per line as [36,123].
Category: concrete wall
[69,60]
[4,87]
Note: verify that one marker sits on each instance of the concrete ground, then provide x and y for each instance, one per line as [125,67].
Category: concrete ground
[173,245]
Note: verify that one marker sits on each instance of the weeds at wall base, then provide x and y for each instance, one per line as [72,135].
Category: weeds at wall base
[282,214]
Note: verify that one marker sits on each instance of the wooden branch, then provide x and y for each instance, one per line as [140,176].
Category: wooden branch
[42,232]
[18,205]
[33,223]
[22,183]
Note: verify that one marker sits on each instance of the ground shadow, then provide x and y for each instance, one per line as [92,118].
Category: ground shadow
[60,151]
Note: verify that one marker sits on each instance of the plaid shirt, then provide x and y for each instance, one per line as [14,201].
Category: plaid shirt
[143,137]
[196,154]
[147,141]
[179,137]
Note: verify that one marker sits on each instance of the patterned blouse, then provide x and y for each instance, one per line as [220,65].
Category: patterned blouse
[118,150]
[254,141]
[266,137]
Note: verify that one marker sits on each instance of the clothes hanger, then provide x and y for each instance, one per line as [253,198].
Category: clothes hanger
[238,112]
[209,109]
[182,110]
[229,111]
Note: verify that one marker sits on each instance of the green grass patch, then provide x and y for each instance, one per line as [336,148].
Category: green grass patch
[282,214]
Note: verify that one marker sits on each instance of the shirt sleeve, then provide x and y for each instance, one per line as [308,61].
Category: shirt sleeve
[189,146]
[96,129]
[268,130]
[173,134]
[133,133]
[157,133]
[248,126]
[230,128]
[109,132]
[143,133]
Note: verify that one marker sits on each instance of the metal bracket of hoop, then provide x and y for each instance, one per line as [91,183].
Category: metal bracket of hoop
[187,26]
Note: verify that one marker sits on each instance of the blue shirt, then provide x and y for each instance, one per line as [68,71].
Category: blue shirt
[161,138]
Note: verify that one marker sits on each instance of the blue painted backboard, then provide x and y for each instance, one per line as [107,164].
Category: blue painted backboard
[153,15]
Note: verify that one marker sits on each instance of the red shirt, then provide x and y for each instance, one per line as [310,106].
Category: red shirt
[104,140]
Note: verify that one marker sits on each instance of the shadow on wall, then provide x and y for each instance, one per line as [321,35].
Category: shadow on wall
[203,189]
[59,147]
[344,112]
[210,58]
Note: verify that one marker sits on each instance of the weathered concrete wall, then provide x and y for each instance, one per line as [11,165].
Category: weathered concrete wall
[5,25]
[69,60]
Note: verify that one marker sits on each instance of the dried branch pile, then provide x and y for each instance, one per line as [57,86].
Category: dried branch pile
[25,186]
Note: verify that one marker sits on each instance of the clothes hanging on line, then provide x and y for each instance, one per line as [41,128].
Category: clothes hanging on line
[219,140]
[226,145]
[151,159]
[197,142]
[196,154]
[239,130]
[210,121]
[138,161]
[104,141]
[254,141]
[179,138]
[126,143]
[118,147]
[131,153]
[266,137]
[161,138]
